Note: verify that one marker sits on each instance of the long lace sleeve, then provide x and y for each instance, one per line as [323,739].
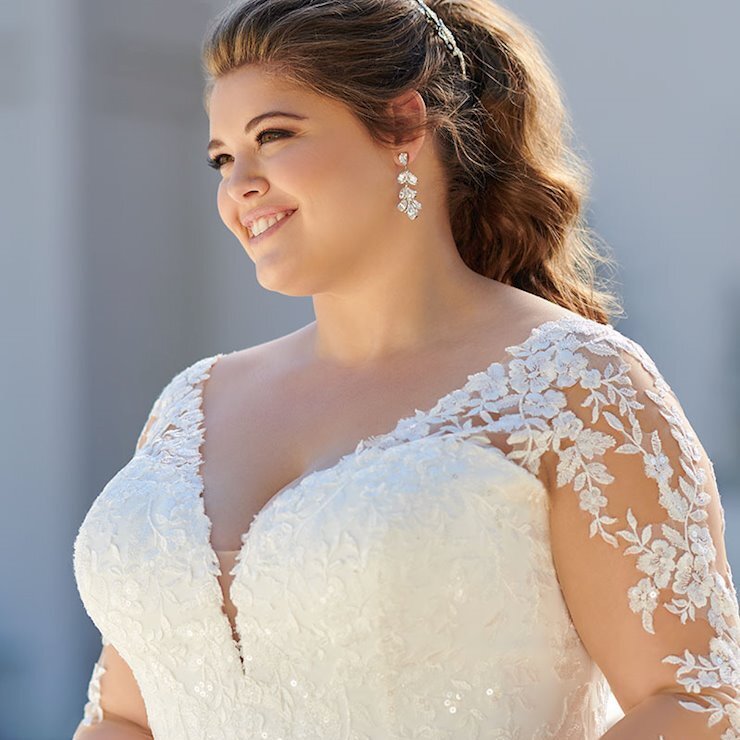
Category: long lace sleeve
[637,532]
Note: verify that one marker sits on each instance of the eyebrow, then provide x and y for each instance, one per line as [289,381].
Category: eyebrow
[213,143]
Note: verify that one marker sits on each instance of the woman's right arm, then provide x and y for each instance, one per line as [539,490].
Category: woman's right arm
[115,710]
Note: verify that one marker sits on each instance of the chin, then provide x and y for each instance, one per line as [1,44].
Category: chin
[272,282]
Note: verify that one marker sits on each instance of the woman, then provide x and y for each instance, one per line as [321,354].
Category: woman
[460,503]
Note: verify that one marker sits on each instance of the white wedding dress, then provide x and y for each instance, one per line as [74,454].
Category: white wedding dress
[409,590]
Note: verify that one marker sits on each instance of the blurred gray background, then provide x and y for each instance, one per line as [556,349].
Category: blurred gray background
[117,271]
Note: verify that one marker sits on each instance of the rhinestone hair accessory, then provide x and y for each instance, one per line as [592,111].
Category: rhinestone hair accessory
[442,31]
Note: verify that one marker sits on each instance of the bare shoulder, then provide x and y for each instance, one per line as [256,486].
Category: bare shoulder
[510,314]
[261,363]
[533,305]
[263,402]
[504,315]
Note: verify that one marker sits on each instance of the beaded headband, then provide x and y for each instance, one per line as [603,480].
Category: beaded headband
[443,32]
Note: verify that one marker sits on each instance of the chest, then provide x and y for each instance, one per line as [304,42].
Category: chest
[264,437]
[344,586]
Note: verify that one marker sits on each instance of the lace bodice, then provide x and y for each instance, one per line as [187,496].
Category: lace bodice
[411,589]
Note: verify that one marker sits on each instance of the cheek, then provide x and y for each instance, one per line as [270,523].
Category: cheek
[345,186]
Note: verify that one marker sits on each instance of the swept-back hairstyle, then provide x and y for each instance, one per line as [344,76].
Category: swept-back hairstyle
[516,189]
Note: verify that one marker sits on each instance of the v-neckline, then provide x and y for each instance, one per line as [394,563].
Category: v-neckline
[363,444]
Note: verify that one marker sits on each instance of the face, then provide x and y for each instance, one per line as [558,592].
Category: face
[320,165]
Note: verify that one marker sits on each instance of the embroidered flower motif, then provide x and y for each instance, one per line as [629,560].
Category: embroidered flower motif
[544,405]
[146,573]
[723,599]
[566,426]
[591,500]
[570,367]
[658,467]
[643,598]
[683,558]
[694,579]
[701,542]
[659,562]
[535,374]
[590,379]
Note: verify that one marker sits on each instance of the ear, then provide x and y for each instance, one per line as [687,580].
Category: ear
[410,111]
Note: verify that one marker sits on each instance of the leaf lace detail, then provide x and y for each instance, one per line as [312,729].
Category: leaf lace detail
[411,590]
[675,553]
[626,408]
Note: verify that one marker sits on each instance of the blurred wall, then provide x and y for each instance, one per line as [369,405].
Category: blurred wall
[656,107]
[117,271]
[43,637]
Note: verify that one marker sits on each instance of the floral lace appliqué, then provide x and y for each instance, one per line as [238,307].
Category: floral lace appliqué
[410,588]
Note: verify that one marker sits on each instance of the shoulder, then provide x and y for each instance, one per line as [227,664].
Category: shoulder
[259,363]
[600,375]
[573,377]
[585,348]
[604,392]
[540,327]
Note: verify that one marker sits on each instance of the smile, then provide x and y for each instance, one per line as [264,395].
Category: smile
[266,226]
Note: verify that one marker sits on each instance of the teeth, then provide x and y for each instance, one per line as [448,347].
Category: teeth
[262,224]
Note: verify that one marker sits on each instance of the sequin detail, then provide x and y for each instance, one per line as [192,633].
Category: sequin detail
[409,590]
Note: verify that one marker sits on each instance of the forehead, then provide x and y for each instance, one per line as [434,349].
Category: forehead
[250,81]
[252,90]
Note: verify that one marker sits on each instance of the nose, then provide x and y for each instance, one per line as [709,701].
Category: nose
[242,182]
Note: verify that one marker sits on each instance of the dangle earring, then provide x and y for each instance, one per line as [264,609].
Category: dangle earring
[408,204]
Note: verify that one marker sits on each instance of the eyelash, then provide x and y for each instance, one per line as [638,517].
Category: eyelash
[216,162]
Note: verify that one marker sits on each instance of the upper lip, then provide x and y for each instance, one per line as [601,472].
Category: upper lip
[248,218]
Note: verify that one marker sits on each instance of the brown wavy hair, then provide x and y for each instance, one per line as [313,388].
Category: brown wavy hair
[516,187]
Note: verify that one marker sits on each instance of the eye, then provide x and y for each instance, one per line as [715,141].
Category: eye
[260,136]
[217,162]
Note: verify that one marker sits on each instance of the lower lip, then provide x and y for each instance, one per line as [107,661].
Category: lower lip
[261,237]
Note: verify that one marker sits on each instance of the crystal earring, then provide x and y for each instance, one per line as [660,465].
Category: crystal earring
[408,203]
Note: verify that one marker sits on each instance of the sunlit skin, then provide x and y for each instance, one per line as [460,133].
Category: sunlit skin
[380,283]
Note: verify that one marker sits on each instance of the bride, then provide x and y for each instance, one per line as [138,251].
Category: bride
[460,503]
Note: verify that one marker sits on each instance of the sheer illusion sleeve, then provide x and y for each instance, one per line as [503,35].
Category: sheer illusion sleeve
[637,531]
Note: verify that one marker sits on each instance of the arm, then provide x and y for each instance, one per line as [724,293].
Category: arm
[115,709]
[661,717]
[108,729]
[637,534]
